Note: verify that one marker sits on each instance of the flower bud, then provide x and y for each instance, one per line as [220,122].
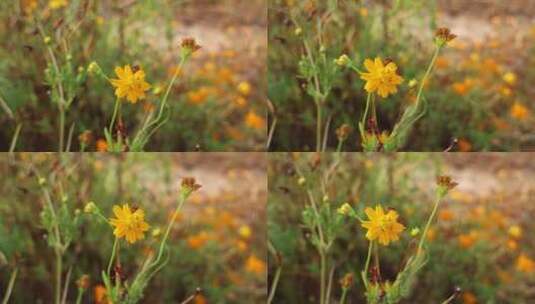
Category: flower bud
[90,207]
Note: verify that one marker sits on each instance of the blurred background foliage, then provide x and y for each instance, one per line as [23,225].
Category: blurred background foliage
[480,241]
[480,93]
[217,243]
[217,104]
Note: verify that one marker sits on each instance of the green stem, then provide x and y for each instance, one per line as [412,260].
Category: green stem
[322,274]
[274,285]
[367,265]
[339,147]
[427,225]
[368,100]
[168,230]
[61,127]
[318,126]
[112,257]
[115,110]
[10,286]
[344,295]
[59,268]
[79,297]
[374,111]
[15,138]
[426,75]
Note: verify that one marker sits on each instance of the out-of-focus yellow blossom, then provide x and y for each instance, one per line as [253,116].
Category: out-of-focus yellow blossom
[245,231]
[515,231]
[244,88]
[55,4]
[510,78]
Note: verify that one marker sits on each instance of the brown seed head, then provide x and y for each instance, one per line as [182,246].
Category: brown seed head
[443,35]
[347,281]
[343,132]
[83,282]
[189,184]
[86,137]
[446,182]
[190,44]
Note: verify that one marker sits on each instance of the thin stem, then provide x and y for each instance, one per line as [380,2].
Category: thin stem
[365,116]
[274,284]
[367,265]
[61,127]
[69,138]
[374,111]
[175,75]
[169,226]
[10,286]
[112,257]
[424,234]
[80,294]
[318,126]
[344,295]
[15,138]
[115,110]
[339,147]
[66,286]
[329,285]
[322,274]
[59,267]
[426,75]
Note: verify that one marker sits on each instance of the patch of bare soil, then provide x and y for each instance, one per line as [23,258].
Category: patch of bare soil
[488,8]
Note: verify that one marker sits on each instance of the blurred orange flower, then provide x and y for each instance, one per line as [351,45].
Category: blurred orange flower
[255,121]
[519,111]
[469,298]
[525,264]
[255,265]
[102,146]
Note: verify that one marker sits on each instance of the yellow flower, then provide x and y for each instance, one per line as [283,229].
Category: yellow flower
[510,78]
[525,264]
[382,226]
[129,223]
[519,111]
[55,4]
[130,84]
[515,231]
[381,78]
[244,88]
[245,231]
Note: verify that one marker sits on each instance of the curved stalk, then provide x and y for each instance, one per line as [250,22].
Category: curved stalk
[427,225]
